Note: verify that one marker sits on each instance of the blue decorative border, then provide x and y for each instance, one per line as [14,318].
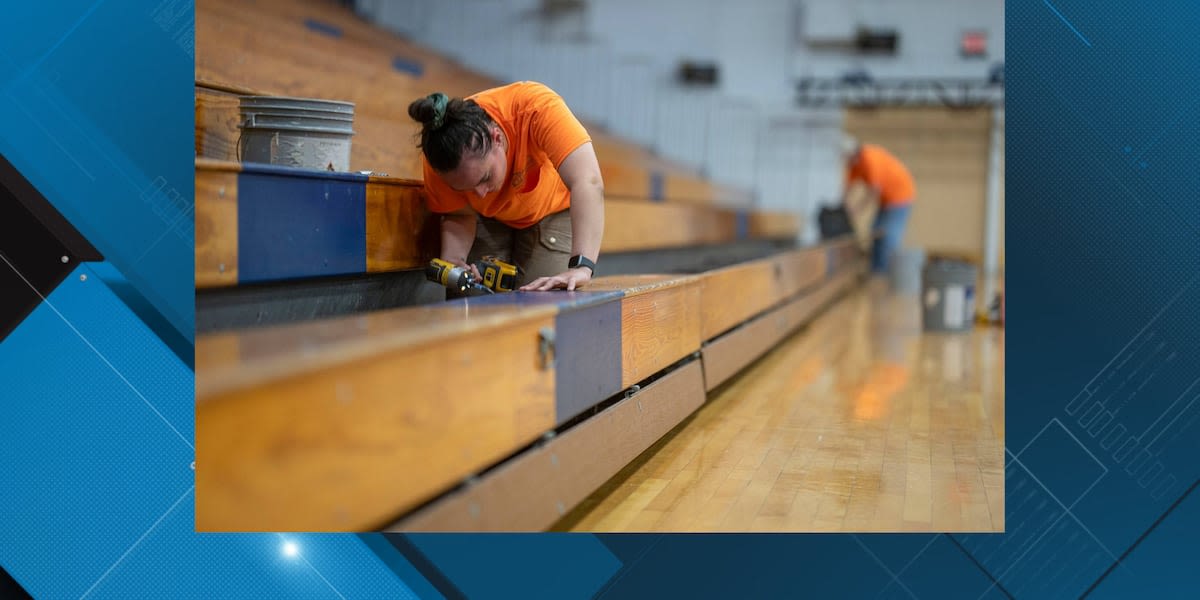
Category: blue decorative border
[96,111]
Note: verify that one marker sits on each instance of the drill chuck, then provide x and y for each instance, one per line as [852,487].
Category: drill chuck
[449,275]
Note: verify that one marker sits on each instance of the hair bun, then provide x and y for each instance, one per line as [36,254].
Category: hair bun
[430,110]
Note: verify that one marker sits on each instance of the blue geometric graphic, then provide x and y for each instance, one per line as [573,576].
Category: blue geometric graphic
[96,417]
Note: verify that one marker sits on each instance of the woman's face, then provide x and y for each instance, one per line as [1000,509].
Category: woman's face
[482,174]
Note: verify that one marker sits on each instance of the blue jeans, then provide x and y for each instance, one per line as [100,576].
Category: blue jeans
[891,222]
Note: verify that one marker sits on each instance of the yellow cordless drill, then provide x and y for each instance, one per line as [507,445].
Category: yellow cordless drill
[497,275]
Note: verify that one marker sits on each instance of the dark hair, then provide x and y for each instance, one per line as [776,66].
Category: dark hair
[452,128]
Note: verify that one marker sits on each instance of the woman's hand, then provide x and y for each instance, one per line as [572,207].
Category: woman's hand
[470,267]
[570,279]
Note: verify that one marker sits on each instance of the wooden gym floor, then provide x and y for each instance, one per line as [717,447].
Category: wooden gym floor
[860,422]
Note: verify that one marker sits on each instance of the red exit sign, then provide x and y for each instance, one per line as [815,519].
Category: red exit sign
[974,43]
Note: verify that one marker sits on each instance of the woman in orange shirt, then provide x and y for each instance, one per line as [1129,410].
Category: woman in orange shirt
[514,175]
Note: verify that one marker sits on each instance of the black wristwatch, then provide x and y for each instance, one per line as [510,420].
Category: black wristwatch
[581,261]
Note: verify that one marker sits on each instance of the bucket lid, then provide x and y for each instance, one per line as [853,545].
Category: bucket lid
[296,116]
[289,103]
[304,129]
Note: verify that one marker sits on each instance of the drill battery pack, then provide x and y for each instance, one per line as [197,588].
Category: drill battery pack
[495,275]
[498,275]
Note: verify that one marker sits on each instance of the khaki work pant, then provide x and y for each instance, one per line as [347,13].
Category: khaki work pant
[541,250]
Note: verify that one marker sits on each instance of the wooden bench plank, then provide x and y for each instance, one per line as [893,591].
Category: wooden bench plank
[801,269]
[843,252]
[734,294]
[621,179]
[636,225]
[725,356]
[217,118]
[216,226]
[346,423]
[229,362]
[290,16]
[535,489]
[660,321]
[679,185]
[774,225]
[728,354]
[401,232]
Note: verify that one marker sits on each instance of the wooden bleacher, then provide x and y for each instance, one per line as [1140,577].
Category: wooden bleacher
[494,413]
[314,48]
[356,422]
[269,47]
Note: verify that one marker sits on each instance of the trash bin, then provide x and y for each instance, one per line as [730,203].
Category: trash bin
[948,293]
[904,272]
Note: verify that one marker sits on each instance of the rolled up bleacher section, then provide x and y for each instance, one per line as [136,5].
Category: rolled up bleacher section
[336,392]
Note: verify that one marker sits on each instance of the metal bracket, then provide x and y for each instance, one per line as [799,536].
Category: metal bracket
[546,351]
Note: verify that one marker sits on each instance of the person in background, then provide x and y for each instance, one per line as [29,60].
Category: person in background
[890,186]
[513,174]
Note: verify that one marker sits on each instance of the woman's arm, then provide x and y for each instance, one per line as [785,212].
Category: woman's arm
[458,235]
[580,171]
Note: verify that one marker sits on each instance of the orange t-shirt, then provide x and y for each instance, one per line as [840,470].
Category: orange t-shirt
[541,132]
[878,168]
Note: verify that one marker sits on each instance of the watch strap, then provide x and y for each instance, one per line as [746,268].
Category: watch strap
[581,261]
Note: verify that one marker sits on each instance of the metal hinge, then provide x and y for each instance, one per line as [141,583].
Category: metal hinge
[546,352]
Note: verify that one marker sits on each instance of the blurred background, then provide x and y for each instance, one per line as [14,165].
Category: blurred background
[755,95]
